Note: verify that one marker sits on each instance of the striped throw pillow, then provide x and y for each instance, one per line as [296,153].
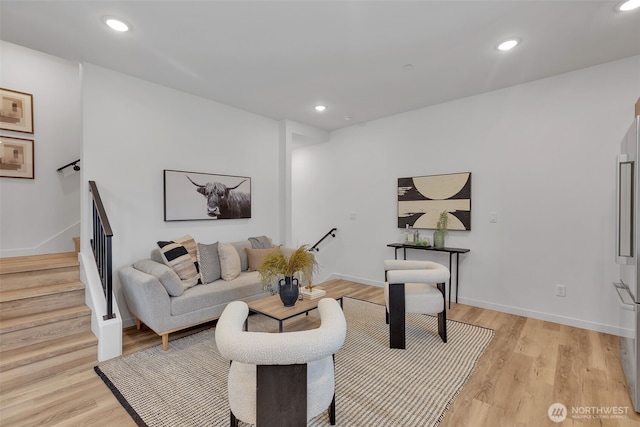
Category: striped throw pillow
[176,256]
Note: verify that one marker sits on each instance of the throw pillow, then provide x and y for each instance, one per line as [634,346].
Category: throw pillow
[165,274]
[255,256]
[260,242]
[244,262]
[189,244]
[229,261]
[177,257]
[209,262]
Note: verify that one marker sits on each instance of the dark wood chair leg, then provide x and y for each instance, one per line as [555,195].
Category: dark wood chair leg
[332,411]
[442,317]
[274,381]
[386,316]
[396,316]
[234,420]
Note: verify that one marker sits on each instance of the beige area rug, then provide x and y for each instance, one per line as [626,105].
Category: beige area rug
[375,385]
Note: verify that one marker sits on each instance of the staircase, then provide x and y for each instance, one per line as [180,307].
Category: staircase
[45,326]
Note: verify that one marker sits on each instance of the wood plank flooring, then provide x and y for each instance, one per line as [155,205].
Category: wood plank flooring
[529,365]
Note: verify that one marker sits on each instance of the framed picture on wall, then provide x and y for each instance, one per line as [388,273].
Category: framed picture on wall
[16,158]
[196,196]
[421,200]
[16,111]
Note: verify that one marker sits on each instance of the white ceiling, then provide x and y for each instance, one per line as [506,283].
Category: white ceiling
[280,58]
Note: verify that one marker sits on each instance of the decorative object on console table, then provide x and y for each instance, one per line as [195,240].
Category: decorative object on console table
[276,265]
[16,111]
[422,198]
[16,158]
[441,231]
[195,196]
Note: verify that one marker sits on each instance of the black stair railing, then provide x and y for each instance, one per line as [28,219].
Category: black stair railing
[331,233]
[101,245]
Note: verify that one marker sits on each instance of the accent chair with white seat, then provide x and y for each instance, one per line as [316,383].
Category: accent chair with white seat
[280,379]
[414,287]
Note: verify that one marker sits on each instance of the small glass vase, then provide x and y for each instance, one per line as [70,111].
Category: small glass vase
[438,239]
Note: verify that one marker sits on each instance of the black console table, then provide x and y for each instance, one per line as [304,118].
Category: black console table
[451,251]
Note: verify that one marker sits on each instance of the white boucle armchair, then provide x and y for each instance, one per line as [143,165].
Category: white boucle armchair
[271,373]
[414,287]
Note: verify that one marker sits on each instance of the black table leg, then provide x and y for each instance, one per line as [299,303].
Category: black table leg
[457,275]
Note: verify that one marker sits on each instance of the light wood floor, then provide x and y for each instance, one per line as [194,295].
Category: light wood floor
[529,365]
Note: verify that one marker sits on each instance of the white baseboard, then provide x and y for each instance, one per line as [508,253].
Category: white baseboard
[549,317]
[354,279]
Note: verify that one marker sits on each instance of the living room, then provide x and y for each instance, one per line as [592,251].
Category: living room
[542,155]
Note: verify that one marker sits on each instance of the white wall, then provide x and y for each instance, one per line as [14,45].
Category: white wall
[134,129]
[42,215]
[542,155]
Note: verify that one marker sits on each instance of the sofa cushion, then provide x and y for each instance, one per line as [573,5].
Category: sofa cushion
[165,274]
[260,242]
[246,285]
[244,262]
[176,256]
[155,255]
[255,256]
[209,262]
[230,265]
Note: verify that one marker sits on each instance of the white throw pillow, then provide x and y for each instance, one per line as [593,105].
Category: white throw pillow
[229,261]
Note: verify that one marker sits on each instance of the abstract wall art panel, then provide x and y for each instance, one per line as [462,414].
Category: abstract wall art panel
[16,111]
[16,158]
[421,199]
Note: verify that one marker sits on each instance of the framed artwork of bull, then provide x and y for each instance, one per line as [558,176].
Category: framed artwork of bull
[190,196]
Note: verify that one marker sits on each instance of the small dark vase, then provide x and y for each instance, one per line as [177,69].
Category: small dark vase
[288,291]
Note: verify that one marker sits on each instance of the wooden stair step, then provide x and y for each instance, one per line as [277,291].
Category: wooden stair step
[23,302]
[38,328]
[40,291]
[38,262]
[36,278]
[38,319]
[30,374]
[12,359]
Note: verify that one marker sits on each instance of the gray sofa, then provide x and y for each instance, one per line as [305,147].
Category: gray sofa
[154,294]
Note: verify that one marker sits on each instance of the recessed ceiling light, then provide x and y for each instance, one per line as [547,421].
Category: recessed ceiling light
[407,67]
[116,24]
[629,5]
[348,117]
[508,44]
[320,108]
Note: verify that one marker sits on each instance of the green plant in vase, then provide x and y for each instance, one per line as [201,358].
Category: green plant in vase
[441,230]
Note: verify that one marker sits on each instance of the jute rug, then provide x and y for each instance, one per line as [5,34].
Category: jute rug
[375,386]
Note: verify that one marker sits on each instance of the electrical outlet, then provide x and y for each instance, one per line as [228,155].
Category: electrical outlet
[493,217]
[561,290]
